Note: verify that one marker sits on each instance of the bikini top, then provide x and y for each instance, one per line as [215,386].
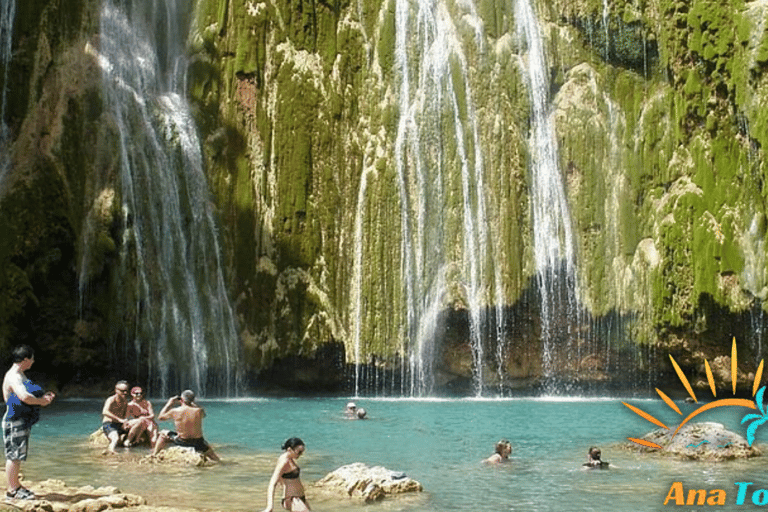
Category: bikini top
[292,475]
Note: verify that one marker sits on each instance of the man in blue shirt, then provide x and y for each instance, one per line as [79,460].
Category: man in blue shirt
[22,399]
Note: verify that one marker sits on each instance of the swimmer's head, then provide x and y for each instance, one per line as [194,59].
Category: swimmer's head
[504,447]
[594,453]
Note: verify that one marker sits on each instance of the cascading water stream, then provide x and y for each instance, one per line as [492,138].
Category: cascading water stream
[183,323]
[7,16]
[428,56]
[553,239]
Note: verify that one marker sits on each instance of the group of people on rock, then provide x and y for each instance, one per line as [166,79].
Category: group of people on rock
[127,422]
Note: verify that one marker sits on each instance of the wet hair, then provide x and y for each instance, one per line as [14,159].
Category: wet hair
[292,442]
[22,352]
[188,396]
[502,445]
[594,452]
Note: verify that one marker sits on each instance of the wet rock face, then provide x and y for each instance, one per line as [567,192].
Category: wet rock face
[368,484]
[701,441]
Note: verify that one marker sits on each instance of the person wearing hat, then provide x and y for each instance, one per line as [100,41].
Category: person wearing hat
[188,420]
[351,409]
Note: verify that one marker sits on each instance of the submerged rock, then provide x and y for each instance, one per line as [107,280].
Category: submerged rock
[368,484]
[706,441]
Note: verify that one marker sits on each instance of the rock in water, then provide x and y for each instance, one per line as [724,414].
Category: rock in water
[368,484]
[707,441]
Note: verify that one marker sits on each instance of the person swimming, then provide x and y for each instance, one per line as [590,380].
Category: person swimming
[503,451]
[594,460]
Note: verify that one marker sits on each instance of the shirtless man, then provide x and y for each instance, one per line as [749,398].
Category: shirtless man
[114,421]
[21,413]
[188,420]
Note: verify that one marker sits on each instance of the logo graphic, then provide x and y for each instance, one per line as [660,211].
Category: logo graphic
[755,419]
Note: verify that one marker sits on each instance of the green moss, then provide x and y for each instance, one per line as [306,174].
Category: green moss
[386,42]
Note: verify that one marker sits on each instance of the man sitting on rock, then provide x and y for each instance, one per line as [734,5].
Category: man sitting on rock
[114,420]
[188,420]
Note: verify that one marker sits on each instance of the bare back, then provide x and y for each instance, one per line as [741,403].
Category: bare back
[188,420]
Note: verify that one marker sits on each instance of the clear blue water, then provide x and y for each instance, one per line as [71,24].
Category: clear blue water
[438,442]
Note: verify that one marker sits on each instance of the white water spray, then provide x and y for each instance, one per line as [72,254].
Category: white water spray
[184,323]
[553,238]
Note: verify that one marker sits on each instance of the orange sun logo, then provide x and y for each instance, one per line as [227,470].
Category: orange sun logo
[725,402]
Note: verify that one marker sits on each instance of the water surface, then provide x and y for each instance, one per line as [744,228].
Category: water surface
[437,442]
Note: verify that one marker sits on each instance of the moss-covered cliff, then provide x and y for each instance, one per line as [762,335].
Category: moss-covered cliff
[660,130]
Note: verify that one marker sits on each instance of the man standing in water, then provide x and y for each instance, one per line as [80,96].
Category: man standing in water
[188,420]
[22,398]
[115,415]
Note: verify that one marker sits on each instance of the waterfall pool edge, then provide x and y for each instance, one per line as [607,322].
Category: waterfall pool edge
[438,442]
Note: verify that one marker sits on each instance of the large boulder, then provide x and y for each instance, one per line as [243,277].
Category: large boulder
[368,484]
[706,441]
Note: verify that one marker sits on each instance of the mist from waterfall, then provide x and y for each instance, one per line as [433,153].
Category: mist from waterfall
[432,83]
[177,311]
[7,16]
[553,241]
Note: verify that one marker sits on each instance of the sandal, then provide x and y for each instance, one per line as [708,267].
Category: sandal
[20,493]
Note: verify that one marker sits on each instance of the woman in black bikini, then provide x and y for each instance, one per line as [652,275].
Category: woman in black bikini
[287,473]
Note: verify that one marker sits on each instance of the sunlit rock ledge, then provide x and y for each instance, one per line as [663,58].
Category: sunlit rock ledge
[170,455]
[368,484]
[707,441]
[56,496]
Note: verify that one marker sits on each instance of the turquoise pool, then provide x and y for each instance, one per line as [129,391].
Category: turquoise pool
[438,442]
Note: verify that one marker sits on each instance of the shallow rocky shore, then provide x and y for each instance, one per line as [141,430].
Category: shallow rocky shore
[57,496]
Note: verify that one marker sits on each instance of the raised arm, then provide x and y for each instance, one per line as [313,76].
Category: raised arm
[166,413]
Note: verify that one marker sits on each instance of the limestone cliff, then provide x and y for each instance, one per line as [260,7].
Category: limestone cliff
[370,165]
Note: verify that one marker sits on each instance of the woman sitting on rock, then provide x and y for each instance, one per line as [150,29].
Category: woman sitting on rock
[142,418]
[287,473]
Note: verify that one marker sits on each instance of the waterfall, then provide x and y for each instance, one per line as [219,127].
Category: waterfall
[357,278]
[172,275]
[7,16]
[437,121]
[552,236]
